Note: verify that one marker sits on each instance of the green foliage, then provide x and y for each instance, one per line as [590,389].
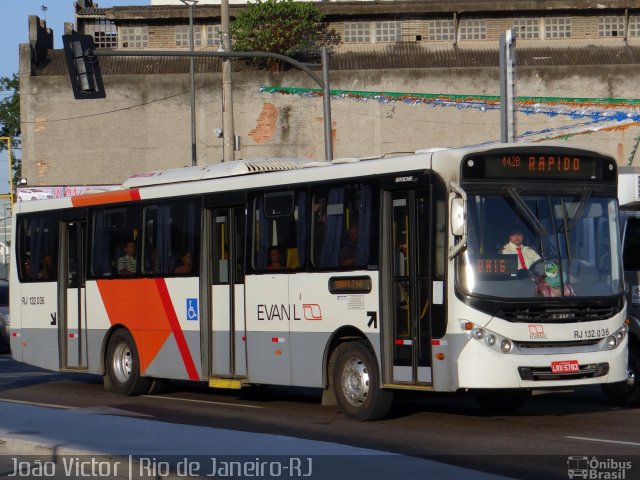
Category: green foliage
[290,28]
[10,120]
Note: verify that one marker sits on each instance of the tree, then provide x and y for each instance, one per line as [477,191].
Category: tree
[10,120]
[287,27]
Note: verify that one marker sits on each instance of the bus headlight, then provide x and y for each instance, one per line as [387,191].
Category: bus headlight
[506,345]
[621,333]
[490,339]
[616,337]
[478,333]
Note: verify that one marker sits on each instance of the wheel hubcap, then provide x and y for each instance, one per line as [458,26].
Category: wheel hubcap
[355,382]
[122,362]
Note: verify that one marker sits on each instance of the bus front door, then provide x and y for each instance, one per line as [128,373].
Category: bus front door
[408,292]
[72,327]
[227,341]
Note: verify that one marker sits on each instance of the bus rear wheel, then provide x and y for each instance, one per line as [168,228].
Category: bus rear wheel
[356,383]
[123,366]
[501,400]
[626,393]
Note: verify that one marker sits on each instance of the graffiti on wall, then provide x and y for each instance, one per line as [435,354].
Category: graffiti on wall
[584,115]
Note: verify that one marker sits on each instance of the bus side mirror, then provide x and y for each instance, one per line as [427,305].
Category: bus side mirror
[458,217]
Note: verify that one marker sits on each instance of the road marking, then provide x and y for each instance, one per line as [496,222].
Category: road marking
[100,410]
[587,439]
[37,404]
[26,374]
[203,401]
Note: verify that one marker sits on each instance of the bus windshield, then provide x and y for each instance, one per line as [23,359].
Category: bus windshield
[536,246]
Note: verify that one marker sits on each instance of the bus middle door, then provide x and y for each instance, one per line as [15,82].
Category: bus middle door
[227,342]
[72,327]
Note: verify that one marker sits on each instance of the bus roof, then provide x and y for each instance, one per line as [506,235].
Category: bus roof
[219,170]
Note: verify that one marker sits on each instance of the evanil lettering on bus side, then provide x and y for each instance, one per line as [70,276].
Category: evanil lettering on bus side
[549,163]
[278,312]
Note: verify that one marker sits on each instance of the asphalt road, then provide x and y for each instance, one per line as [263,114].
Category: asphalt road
[534,442]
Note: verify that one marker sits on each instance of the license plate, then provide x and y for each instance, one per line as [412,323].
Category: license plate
[566,366]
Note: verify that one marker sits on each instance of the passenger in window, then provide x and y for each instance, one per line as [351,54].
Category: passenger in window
[276,260]
[127,263]
[348,251]
[319,223]
[46,271]
[187,263]
[151,264]
[27,267]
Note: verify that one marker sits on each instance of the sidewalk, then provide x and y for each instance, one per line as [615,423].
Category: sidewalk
[151,449]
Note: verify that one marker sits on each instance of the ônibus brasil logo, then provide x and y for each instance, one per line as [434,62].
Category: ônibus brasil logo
[593,468]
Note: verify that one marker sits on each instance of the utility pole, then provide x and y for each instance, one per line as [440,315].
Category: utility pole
[507,87]
[228,131]
[194,156]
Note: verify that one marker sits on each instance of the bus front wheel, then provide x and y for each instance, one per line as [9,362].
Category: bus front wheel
[626,393]
[357,383]
[123,366]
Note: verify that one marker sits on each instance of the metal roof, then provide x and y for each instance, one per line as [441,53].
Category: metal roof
[340,8]
[530,53]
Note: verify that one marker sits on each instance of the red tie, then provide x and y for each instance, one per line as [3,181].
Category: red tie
[521,257]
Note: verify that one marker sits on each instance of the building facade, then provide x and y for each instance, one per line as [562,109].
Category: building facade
[405,75]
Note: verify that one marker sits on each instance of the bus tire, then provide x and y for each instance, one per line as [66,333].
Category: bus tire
[123,366]
[356,382]
[627,393]
[158,386]
[501,400]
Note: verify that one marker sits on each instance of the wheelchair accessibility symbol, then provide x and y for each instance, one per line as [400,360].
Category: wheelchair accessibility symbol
[192,309]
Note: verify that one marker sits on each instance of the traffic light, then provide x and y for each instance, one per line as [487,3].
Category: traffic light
[84,69]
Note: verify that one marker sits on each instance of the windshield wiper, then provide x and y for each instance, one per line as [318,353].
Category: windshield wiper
[579,210]
[524,209]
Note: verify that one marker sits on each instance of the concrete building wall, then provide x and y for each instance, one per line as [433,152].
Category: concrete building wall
[144,123]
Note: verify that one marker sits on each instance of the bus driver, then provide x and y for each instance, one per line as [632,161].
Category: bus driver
[526,255]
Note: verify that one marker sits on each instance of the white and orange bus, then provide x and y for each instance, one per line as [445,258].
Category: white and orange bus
[357,276]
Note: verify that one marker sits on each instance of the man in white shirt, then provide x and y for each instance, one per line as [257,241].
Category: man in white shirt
[526,255]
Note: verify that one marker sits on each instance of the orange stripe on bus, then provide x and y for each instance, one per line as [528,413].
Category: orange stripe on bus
[138,304]
[115,196]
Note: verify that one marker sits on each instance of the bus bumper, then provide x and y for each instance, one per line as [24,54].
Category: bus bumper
[480,367]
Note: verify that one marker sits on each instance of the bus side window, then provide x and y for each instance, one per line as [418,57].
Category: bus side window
[280,221]
[630,257]
[345,234]
[171,239]
[113,228]
[38,247]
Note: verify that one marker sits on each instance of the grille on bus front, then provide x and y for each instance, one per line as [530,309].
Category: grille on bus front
[569,344]
[557,315]
[544,373]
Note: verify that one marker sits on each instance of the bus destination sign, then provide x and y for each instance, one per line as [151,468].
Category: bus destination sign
[549,165]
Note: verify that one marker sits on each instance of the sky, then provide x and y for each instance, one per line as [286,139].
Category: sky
[14,30]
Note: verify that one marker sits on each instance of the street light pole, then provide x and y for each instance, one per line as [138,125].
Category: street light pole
[8,140]
[228,130]
[194,158]
[4,239]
